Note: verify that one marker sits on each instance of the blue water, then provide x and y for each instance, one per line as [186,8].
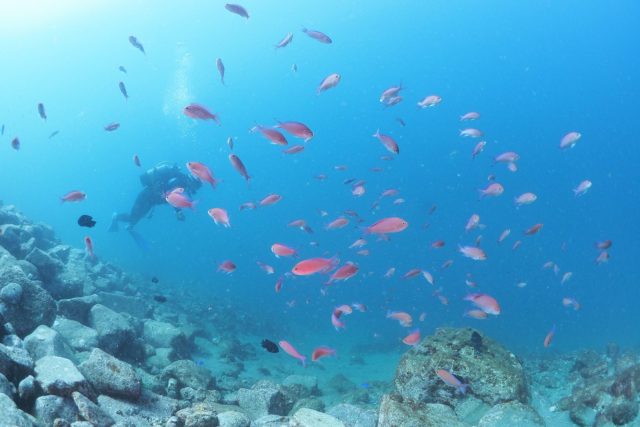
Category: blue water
[535,70]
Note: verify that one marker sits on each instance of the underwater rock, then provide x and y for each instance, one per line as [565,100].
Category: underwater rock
[36,306]
[341,384]
[45,341]
[12,416]
[15,363]
[394,412]
[354,416]
[48,408]
[306,417]
[11,293]
[197,416]
[188,374]
[296,387]
[622,411]
[66,285]
[511,414]
[162,334]
[270,421]
[262,399]
[590,364]
[495,376]
[48,267]
[111,376]
[77,335]
[27,390]
[59,376]
[470,410]
[134,306]
[7,387]
[114,331]
[233,419]
[150,410]
[78,308]
[161,358]
[90,411]
[307,402]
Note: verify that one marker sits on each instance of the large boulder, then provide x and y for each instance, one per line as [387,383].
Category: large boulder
[494,375]
[394,412]
[354,416]
[45,341]
[165,335]
[111,376]
[264,398]
[6,387]
[48,408]
[11,416]
[114,330]
[306,417]
[79,336]
[48,267]
[511,414]
[233,419]
[77,308]
[59,376]
[15,363]
[134,306]
[91,412]
[149,410]
[188,374]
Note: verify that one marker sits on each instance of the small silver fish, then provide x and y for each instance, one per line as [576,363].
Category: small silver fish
[41,111]
[123,90]
[220,66]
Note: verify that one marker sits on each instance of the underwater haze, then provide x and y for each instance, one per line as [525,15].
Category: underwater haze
[535,72]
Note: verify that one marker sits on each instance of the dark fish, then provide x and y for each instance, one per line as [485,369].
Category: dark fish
[318,35]
[86,221]
[121,68]
[160,298]
[154,279]
[123,90]
[270,346]
[134,41]
[41,111]
[237,9]
[54,133]
[402,123]
[2,130]
[112,126]
[220,66]
[15,144]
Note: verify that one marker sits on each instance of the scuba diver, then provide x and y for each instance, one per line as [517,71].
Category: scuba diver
[157,181]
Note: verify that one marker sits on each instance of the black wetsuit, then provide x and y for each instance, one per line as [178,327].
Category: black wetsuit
[156,182]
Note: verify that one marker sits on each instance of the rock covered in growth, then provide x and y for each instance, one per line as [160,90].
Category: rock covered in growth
[48,408]
[12,416]
[59,376]
[264,398]
[150,409]
[354,416]
[11,293]
[188,374]
[48,267]
[394,412]
[7,387]
[78,308]
[165,335]
[233,419]
[15,363]
[114,330]
[111,376]
[91,412]
[45,341]
[306,417]
[79,336]
[493,373]
[197,416]
[511,414]
[134,306]
[270,421]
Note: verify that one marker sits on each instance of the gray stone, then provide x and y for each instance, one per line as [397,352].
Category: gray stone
[306,417]
[511,414]
[67,284]
[354,416]
[188,374]
[270,421]
[162,334]
[48,267]
[11,416]
[111,376]
[15,362]
[470,410]
[59,376]
[395,413]
[233,419]
[495,375]
[623,411]
[77,308]
[150,410]
[197,417]
[262,399]
[79,336]
[134,306]
[114,331]
[161,358]
[27,390]
[82,424]
[45,341]
[7,387]
[308,402]
[296,387]
[90,411]
[48,408]
[11,293]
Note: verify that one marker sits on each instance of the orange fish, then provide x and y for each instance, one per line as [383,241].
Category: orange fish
[345,272]
[73,196]
[282,250]
[88,243]
[549,337]
[271,199]
[413,338]
[438,244]
[405,319]
[314,265]
[451,380]
[202,172]
[322,351]
[534,229]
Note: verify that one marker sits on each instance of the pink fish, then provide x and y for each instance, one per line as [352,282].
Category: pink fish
[486,303]
[473,252]
[404,318]
[565,277]
[272,135]
[322,351]
[291,351]
[438,244]
[73,196]
[294,149]
[88,243]
[239,166]
[582,188]
[337,223]
[343,273]
[602,257]
[472,223]
[178,199]
[282,250]
[318,35]
[329,82]
[247,205]
[278,285]
[219,216]
[202,172]
[314,265]
[525,199]
[471,133]
[389,143]
[504,235]
[335,320]
[549,337]
[197,111]
[394,100]
[388,225]
[390,272]
[227,267]
[478,149]
[358,190]
[571,302]
[390,92]
[430,101]
[533,229]
[412,273]
[297,129]
[476,314]
[271,199]
[452,381]
[360,307]
[470,116]
[358,243]
[285,41]
[265,267]
[492,190]
[413,338]
[569,140]
[507,157]
[237,9]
